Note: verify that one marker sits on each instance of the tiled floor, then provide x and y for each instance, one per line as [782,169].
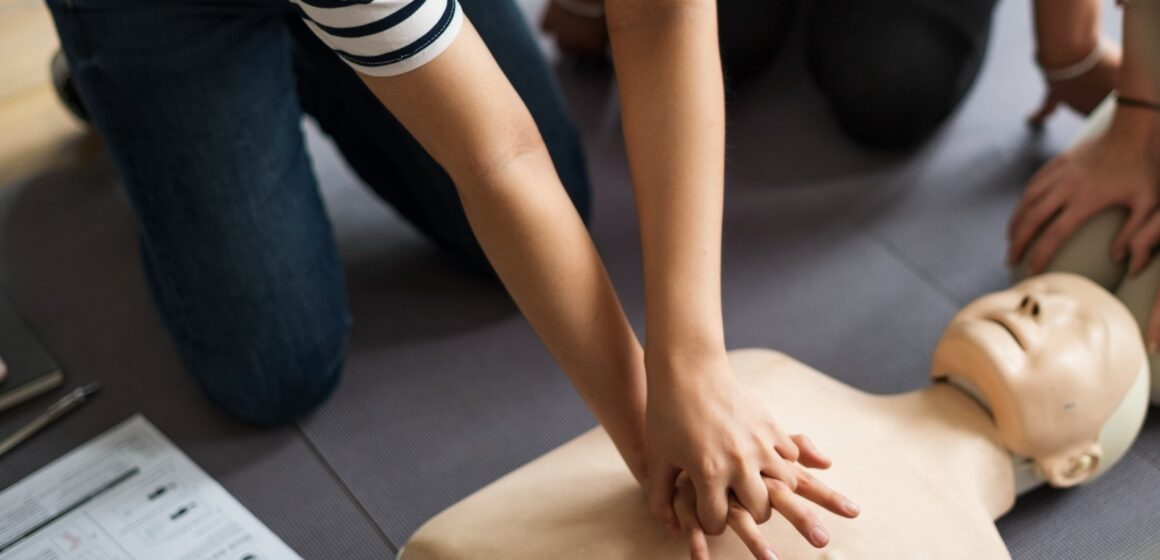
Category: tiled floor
[848,260]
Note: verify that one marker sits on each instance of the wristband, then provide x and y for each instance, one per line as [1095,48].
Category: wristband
[1075,70]
[1136,102]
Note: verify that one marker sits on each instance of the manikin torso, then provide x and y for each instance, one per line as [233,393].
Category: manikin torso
[937,443]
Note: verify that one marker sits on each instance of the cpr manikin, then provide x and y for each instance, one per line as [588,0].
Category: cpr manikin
[1045,383]
[1087,253]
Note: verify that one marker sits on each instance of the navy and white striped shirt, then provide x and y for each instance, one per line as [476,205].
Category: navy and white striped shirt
[383,37]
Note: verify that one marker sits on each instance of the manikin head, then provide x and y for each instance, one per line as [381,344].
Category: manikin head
[1061,365]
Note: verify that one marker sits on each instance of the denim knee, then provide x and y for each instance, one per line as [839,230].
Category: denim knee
[274,385]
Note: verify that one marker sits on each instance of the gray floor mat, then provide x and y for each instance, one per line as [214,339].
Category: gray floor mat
[69,261]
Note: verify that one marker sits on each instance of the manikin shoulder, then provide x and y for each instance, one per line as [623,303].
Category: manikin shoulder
[780,381]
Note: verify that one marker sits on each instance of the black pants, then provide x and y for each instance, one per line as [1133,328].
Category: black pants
[892,69]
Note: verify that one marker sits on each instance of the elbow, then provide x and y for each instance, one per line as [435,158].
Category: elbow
[495,155]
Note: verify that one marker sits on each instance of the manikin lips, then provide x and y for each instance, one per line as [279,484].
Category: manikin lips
[999,320]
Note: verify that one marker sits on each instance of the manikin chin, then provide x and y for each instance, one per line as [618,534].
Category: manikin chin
[1044,383]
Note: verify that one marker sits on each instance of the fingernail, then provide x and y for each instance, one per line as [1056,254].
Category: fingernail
[851,508]
[769,555]
[819,536]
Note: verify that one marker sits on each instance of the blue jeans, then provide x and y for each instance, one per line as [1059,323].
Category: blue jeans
[200,104]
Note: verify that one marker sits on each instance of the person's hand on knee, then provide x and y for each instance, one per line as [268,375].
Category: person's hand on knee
[790,503]
[1118,168]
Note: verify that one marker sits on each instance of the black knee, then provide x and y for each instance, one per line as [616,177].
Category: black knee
[892,75]
[751,32]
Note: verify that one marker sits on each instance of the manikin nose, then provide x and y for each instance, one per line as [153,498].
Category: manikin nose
[1030,306]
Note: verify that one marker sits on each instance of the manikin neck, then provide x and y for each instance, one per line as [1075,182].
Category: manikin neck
[1027,475]
[970,450]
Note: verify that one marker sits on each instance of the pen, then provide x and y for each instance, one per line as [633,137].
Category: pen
[58,409]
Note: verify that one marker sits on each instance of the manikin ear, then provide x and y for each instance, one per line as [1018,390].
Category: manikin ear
[1071,467]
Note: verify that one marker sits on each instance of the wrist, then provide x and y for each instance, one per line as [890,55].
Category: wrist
[1136,128]
[666,364]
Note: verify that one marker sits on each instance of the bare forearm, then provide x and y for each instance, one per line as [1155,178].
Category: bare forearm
[1136,82]
[1136,79]
[1148,24]
[669,74]
[463,110]
[1066,30]
[547,261]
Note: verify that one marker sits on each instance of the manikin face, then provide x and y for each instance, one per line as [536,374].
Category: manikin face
[1053,357]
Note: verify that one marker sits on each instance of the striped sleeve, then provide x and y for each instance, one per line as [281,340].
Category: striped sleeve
[383,37]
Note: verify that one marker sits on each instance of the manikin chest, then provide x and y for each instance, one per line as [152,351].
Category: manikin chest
[579,501]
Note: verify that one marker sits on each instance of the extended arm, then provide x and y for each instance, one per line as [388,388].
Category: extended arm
[699,419]
[462,109]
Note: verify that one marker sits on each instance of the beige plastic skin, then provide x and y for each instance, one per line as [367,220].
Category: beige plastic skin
[1031,352]
[930,468]
[1087,253]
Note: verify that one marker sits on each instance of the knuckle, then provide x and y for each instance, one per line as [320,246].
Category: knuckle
[803,480]
[791,484]
[735,455]
[777,486]
[736,512]
[710,468]
[715,530]
[764,515]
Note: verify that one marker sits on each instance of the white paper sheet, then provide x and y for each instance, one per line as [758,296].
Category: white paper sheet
[129,494]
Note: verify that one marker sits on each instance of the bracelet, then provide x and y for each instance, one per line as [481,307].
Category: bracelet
[1136,102]
[1075,70]
[582,9]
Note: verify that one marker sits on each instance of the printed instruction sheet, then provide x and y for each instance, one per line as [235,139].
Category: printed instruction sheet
[129,494]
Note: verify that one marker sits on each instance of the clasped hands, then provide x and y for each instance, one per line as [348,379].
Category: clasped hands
[716,459]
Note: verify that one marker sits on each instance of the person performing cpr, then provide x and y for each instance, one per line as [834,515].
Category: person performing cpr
[446,109]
